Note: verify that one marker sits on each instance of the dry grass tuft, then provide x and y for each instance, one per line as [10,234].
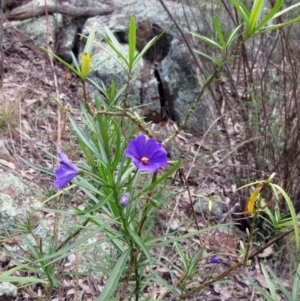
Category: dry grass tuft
[8,113]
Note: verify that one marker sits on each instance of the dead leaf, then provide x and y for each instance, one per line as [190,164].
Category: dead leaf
[85,287]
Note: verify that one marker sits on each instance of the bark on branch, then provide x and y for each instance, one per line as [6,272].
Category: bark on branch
[19,14]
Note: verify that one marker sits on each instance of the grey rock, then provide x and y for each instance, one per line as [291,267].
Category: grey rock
[19,199]
[201,206]
[3,149]
[168,63]
[171,226]
[165,84]
[179,73]
[8,289]
[36,28]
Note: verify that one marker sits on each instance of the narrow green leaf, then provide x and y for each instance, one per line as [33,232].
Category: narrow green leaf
[114,278]
[21,280]
[296,284]
[233,35]
[145,49]
[90,40]
[142,246]
[81,135]
[270,15]
[69,249]
[207,40]
[160,179]
[280,286]
[115,45]
[273,27]
[242,10]
[194,261]
[114,54]
[36,167]
[259,289]
[292,212]
[292,7]
[132,43]
[77,72]
[5,276]
[215,60]
[183,257]
[75,62]
[269,283]
[165,241]
[219,32]
[254,16]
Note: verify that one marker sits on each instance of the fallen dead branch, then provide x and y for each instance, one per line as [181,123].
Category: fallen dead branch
[19,14]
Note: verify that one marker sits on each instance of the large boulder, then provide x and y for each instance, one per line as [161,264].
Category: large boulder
[166,82]
[37,28]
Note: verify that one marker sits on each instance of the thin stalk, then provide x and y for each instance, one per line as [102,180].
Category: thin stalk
[73,235]
[135,120]
[250,238]
[135,251]
[131,267]
[137,281]
[147,207]
[85,97]
[125,102]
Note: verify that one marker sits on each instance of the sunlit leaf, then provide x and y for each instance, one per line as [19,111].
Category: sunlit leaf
[219,32]
[292,212]
[90,40]
[233,35]
[215,60]
[132,42]
[256,11]
[114,277]
[270,14]
[244,13]
[207,40]
[250,205]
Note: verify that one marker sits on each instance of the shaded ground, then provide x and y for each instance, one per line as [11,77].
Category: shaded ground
[28,95]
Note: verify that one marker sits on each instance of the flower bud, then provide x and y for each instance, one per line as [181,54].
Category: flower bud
[124,200]
[85,65]
[214,259]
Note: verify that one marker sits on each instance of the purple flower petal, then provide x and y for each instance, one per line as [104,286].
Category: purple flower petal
[65,172]
[135,147]
[147,154]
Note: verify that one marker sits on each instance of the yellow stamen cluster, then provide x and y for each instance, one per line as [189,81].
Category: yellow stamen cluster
[145,160]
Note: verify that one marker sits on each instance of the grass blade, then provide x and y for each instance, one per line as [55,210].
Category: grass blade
[113,280]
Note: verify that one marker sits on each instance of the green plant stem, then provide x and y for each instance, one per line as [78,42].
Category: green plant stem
[85,97]
[122,113]
[133,256]
[125,102]
[137,281]
[72,235]
[249,243]
[147,207]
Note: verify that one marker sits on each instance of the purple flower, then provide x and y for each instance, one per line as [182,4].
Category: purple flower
[124,200]
[214,259]
[147,154]
[65,172]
